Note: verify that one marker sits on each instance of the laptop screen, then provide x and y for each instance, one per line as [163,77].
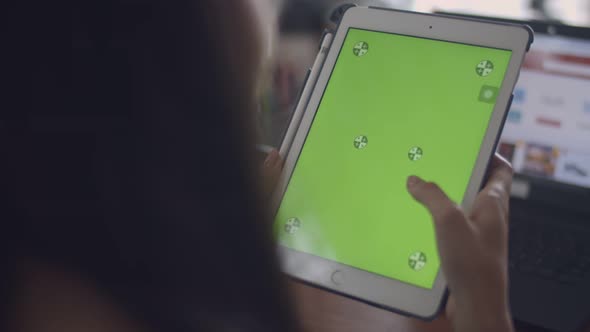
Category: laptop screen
[547,132]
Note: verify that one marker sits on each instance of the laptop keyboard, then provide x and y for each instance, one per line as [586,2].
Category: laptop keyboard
[549,252]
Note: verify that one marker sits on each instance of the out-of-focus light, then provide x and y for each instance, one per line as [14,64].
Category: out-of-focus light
[576,12]
[505,8]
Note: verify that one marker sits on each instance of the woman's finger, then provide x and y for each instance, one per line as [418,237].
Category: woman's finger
[272,158]
[451,307]
[501,173]
[495,195]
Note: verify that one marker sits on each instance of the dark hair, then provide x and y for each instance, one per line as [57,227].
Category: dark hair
[303,16]
[130,167]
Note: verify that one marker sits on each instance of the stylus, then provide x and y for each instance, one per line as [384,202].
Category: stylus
[309,85]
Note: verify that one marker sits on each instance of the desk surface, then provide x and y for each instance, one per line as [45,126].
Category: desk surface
[321,311]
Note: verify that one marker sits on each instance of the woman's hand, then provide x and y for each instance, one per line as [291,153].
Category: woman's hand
[473,249]
[271,171]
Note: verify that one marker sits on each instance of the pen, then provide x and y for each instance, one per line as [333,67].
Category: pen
[313,74]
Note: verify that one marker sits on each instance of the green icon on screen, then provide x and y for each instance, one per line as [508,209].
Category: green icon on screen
[360,49]
[488,94]
[415,153]
[484,68]
[360,142]
[292,226]
[417,261]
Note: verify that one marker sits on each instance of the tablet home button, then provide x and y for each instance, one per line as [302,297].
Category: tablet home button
[337,277]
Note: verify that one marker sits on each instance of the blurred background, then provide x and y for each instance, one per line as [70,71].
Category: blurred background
[301,23]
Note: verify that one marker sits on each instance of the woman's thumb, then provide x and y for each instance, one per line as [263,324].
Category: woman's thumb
[433,198]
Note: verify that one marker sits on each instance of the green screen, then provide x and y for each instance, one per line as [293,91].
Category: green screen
[394,106]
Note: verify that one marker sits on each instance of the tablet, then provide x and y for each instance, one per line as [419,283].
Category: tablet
[398,94]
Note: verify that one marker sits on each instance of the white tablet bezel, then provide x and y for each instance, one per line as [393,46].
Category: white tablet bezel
[372,288]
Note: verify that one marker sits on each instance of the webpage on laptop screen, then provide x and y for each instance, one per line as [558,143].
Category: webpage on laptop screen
[547,132]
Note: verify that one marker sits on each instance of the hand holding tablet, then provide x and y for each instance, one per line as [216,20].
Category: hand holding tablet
[398,94]
[473,248]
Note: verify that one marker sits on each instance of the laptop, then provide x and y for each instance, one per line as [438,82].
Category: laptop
[547,139]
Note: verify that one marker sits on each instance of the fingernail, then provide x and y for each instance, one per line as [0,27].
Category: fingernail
[413,181]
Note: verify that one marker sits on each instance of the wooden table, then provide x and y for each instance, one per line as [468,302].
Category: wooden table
[322,311]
